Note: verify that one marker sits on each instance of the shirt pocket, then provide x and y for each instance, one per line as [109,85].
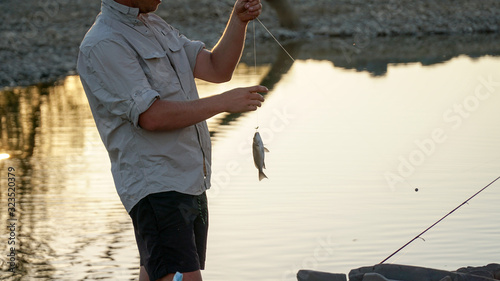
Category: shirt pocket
[160,73]
[176,53]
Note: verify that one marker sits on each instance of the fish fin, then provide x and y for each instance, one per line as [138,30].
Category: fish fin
[266,150]
[262,175]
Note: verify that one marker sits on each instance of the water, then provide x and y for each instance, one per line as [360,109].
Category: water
[349,143]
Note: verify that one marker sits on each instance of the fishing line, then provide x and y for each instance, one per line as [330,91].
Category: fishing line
[275,39]
[255,65]
[452,211]
[254,50]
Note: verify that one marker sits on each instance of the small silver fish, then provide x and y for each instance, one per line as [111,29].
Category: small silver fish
[258,154]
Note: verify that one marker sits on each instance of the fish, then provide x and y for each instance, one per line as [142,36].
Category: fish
[258,155]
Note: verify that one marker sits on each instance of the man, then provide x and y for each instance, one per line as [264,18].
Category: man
[138,74]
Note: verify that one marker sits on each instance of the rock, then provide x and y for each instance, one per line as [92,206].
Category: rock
[399,272]
[412,273]
[394,272]
[491,270]
[376,277]
[311,275]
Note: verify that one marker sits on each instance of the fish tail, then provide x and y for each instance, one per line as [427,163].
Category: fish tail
[262,175]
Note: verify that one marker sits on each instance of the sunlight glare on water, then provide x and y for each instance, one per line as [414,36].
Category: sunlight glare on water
[347,151]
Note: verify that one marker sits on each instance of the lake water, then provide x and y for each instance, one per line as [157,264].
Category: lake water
[350,143]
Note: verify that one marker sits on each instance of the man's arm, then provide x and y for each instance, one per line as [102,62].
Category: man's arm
[170,115]
[218,65]
[215,66]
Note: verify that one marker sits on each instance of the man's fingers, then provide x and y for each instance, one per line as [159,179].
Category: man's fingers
[244,99]
[257,102]
[251,7]
[255,96]
[258,89]
[253,3]
[249,10]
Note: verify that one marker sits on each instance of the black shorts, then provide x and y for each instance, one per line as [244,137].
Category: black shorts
[171,232]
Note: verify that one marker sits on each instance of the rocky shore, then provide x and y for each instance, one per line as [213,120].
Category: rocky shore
[40,38]
[398,272]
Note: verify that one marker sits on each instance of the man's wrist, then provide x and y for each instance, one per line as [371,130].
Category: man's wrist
[240,22]
[237,20]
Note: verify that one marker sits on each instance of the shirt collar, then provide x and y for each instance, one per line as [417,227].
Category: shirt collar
[121,11]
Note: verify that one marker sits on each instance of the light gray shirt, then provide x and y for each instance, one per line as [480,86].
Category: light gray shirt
[126,62]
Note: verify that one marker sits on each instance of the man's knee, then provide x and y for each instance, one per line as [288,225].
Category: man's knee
[187,276]
[168,277]
[192,276]
[143,275]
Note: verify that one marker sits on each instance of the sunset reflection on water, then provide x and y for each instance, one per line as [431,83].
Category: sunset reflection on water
[334,136]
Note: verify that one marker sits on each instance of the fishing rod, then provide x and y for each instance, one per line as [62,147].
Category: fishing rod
[274,39]
[418,236]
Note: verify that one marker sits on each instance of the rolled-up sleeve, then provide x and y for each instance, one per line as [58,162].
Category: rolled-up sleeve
[117,81]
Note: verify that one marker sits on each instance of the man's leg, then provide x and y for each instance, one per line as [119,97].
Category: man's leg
[143,275]
[169,223]
[187,276]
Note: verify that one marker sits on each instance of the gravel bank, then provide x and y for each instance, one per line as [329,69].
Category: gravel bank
[40,38]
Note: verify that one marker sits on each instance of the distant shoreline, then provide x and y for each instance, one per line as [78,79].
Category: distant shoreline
[40,40]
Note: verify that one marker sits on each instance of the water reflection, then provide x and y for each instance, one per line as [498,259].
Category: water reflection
[374,55]
[334,135]
[68,212]
[369,54]
[335,123]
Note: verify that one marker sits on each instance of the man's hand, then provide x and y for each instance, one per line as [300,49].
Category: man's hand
[247,10]
[243,99]
[164,115]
